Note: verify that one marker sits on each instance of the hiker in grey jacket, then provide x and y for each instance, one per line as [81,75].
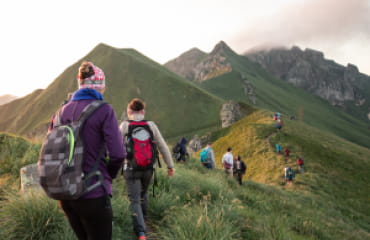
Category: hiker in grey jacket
[137,181]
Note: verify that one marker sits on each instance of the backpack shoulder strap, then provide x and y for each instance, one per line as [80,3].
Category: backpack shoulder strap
[56,119]
[86,112]
[89,109]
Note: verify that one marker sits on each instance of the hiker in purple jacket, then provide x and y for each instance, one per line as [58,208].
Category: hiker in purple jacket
[91,215]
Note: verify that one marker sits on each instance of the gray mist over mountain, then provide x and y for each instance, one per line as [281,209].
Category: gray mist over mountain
[331,26]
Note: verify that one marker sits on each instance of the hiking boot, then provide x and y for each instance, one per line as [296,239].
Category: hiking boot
[141,236]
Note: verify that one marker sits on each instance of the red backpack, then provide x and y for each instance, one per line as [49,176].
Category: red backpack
[300,161]
[140,146]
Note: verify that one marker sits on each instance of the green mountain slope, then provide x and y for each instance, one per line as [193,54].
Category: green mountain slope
[176,104]
[328,201]
[276,95]
[336,174]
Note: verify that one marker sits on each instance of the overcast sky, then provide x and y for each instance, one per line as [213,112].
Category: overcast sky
[41,38]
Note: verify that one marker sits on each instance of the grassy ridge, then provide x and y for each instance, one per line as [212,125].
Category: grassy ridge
[176,104]
[328,201]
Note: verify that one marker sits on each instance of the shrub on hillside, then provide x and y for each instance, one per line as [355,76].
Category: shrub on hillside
[15,153]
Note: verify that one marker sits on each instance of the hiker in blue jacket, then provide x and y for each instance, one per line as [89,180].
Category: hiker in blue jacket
[207,156]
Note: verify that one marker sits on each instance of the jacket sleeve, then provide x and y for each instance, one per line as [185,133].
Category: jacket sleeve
[114,142]
[162,145]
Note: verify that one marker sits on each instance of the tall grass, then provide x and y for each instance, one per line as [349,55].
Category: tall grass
[31,216]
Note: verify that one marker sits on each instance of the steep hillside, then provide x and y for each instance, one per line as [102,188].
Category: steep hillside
[249,82]
[336,170]
[129,74]
[328,201]
[7,98]
[342,86]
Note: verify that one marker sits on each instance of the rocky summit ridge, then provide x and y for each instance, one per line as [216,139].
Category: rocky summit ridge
[308,69]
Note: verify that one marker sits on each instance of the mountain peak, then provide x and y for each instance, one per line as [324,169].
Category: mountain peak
[221,47]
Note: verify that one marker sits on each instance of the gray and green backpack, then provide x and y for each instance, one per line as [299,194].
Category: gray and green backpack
[61,159]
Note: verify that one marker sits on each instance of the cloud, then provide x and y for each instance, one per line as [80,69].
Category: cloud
[309,21]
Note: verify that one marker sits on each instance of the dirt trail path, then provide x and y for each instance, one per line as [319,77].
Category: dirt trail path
[151,232]
[267,139]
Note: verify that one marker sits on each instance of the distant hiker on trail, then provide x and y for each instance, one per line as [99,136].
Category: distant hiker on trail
[239,169]
[278,148]
[276,116]
[207,156]
[228,161]
[90,214]
[179,151]
[143,138]
[287,152]
[279,125]
[300,164]
[289,174]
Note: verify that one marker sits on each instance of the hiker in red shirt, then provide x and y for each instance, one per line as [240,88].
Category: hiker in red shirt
[300,164]
[287,152]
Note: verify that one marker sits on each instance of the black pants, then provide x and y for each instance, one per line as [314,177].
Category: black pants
[90,219]
[239,177]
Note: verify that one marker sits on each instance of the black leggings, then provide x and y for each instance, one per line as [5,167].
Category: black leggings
[90,219]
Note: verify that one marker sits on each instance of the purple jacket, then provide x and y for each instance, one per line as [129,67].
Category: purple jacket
[100,128]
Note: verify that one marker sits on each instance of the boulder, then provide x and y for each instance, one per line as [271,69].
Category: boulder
[29,178]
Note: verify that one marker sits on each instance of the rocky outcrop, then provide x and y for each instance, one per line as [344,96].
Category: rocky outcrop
[309,70]
[249,89]
[29,178]
[214,64]
[230,113]
[194,145]
[198,66]
[184,64]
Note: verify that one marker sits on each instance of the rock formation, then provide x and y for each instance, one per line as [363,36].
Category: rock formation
[198,66]
[29,178]
[230,113]
[309,70]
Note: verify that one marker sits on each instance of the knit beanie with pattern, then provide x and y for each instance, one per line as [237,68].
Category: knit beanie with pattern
[95,81]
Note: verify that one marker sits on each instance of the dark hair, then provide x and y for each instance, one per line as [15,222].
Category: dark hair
[85,70]
[229,149]
[136,105]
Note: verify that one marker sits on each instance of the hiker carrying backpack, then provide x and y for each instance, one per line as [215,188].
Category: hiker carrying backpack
[176,151]
[179,151]
[61,159]
[141,148]
[289,174]
[143,138]
[207,156]
[85,185]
